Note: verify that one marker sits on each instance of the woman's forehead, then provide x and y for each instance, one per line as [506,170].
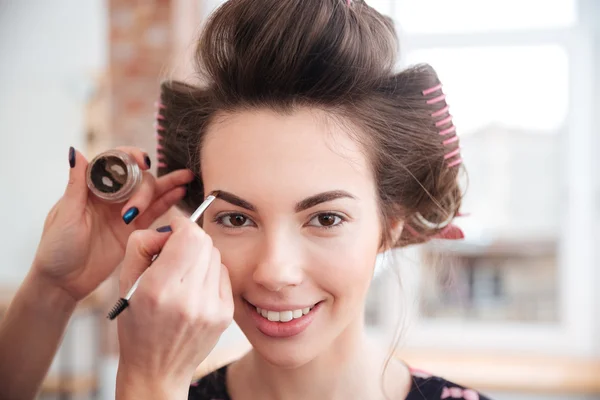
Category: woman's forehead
[265,149]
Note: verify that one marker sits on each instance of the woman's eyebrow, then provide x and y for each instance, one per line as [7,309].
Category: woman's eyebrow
[235,200]
[324,197]
[305,204]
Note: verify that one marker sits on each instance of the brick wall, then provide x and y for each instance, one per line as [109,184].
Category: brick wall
[140,51]
[150,40]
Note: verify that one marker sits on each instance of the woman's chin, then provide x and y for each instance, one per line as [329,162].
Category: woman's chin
[284,356]
[285,353]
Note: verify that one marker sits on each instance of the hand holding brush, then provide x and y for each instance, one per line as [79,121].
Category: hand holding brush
[123,302]
[181,307]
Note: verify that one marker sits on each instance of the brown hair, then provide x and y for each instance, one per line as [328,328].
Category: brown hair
[324,54]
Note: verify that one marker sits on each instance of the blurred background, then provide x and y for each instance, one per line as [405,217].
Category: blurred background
[513,310]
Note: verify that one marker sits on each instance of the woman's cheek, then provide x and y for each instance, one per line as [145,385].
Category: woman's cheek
[342,263]
[237,253]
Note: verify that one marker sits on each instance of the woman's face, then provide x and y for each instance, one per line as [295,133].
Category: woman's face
[297,227]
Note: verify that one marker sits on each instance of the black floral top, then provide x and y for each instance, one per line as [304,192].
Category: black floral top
[424,387]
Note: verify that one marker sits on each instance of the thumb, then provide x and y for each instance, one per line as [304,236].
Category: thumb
[76,192]
[142,247]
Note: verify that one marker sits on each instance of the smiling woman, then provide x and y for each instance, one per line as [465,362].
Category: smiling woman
[324,157]
[309,235]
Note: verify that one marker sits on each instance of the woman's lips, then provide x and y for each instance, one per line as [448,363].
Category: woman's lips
[285,324]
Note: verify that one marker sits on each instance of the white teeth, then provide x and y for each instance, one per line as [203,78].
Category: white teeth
[283,316]
[273,316]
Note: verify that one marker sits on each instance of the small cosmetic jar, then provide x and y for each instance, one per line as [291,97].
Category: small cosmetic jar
[113,176]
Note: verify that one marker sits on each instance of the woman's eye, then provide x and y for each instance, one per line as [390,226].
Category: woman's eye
[326,220]
[234,220]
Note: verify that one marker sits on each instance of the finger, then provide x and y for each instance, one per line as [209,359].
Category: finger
[211,281]
[76,193]
[225,291]
[200,288]
[141,157]
[160,206]
[142,246]
[172,180]
[141,199]
[188,248]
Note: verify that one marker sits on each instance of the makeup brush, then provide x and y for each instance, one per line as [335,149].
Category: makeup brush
[123,302]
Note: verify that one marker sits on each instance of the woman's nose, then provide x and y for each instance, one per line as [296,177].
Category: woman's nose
[279,264]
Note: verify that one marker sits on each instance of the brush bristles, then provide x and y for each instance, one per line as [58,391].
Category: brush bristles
[118,308]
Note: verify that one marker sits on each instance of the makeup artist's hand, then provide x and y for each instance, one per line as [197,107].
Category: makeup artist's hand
[178,312]
[84,238]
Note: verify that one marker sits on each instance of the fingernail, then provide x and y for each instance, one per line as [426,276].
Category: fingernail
[147,161]
[72,157]
[166,228]
[130,215]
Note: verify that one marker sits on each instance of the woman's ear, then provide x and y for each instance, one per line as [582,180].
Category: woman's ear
[395,232]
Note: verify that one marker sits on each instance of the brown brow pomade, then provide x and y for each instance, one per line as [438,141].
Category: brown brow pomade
[113,176]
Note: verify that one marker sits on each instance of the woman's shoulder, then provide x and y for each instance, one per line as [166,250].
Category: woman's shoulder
[426,386]
[210,387]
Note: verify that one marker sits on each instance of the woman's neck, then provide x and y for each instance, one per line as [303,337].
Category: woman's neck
[350,368]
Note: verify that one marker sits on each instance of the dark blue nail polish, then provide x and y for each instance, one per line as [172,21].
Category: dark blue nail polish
[130,215]
[166,228]
[147,161]
[72,157]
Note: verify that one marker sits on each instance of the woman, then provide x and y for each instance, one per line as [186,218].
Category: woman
[323,157]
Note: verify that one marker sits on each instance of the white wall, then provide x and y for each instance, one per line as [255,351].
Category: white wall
[49,50]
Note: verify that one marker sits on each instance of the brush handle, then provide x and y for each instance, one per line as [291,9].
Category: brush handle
[137,281]
[134,287]
[200,210]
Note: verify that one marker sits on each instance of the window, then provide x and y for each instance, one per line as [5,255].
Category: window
[468,16]
[505,67]
[517,86]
